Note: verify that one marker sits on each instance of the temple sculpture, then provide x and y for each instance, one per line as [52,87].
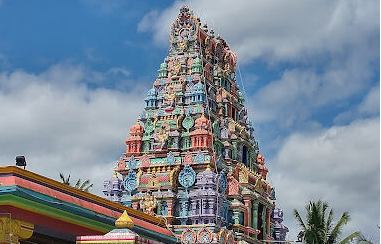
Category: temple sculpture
[191,157]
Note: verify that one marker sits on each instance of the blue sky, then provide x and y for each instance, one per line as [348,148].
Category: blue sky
[73,75]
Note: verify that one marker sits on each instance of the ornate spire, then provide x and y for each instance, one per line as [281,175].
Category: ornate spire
[124,221]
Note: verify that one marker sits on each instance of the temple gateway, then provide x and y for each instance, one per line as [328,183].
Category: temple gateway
[191,158]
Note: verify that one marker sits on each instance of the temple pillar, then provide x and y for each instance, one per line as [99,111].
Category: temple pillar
[255,215]
[234,154]
[248,216]
[170,207]
[268,213]
[236,216]
[264,221]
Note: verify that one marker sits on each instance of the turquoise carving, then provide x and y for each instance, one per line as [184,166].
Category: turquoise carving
[130,181]
[188,122]
[132,163]
[148,126]
[187,176]
[222,182]
[200,158]
[170,158]
[219,162]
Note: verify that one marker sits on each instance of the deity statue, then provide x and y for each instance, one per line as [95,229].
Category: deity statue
[148,204]
[182,45]
[170,100]
[176,68]
[162,134]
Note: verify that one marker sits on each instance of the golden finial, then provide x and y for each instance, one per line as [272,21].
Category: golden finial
[115,175]
[124,221]
[208,168]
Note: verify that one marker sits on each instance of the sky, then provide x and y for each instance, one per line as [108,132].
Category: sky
[73,76]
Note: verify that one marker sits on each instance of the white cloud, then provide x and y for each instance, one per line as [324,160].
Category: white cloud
[279,30]
[369,106]
[301,92]
[339,165]
[61,125]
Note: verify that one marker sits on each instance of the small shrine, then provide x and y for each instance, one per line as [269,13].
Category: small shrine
[191,158]
[123,234]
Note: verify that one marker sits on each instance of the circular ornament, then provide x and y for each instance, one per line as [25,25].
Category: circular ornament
[187,176]
[188,236]
[130,181]
[188,122]
[204,236]
[148,126]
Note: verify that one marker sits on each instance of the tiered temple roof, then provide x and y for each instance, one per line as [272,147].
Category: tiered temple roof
[191,156]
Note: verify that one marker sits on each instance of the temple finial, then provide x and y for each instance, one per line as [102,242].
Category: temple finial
[124,221]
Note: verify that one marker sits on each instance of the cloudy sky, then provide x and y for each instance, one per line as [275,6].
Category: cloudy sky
[73,75]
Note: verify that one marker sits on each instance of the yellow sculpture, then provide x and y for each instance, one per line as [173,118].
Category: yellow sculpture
[182,45]
[124,221]
[176,67]
[148,204]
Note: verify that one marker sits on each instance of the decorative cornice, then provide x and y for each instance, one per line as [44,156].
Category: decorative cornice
[82,194]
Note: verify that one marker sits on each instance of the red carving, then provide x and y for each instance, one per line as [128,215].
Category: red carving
[134,142]
[121,164]
[201,137]
[188,159]
[261,166]
[233,186]
[145,161]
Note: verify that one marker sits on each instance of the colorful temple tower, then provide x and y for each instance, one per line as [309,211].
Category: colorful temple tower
[191,156]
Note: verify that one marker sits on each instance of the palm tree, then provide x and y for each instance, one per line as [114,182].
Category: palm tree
[319,228]
[66,180]
[85,186]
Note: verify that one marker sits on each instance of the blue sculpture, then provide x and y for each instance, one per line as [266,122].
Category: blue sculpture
[170,158]
[130,181]
[132,163]
[187,176]
[200,158]
[219,162]
[222,182]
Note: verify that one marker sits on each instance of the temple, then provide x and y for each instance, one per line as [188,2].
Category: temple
[191,158]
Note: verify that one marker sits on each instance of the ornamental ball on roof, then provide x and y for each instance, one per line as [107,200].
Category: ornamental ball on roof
[199,87]
[196,62]
[151,93]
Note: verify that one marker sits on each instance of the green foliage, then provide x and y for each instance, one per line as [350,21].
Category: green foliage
[318,226]
[85,186]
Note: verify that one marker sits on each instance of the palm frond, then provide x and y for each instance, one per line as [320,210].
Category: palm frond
[85,183]
[66,181]
[299,219]
[88,188]
[334,235]
[349,238]
[78,183]
[328,225]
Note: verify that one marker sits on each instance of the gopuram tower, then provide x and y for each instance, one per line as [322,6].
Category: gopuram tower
[191,157]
